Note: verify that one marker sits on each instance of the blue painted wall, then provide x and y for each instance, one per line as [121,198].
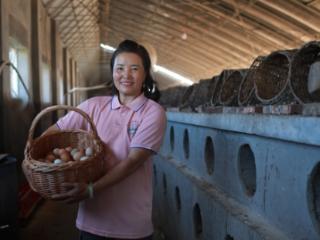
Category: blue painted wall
[238,176]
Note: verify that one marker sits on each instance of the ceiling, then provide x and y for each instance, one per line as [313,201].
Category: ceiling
[197,39]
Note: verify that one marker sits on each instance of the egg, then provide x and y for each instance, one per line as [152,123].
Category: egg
[82,151]
[62,151]
[74,151]
[89,151]
[84,158]
[50,157]
[56,151]
[77,156]
[68,149]
[65,157]
[57,161]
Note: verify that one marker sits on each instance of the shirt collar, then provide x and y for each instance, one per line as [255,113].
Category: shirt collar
[135,105]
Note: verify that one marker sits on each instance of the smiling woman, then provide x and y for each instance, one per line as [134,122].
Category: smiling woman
[131,67]
[131,126]
[128,76]
[157,68]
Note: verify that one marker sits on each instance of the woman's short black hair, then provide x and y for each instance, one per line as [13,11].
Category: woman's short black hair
[149,88]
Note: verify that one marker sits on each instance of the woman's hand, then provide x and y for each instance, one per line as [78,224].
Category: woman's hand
[76,193]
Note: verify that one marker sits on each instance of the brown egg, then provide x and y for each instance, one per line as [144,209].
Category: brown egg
[62,151]
[65,156]
[50,157]
[68,149]
[82,151]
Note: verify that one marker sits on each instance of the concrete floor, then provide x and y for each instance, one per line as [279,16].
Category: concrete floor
[55,220]
[51,221]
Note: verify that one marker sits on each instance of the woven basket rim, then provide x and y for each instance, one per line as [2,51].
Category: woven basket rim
[39,166]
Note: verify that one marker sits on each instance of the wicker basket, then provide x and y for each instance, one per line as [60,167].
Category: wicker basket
[46,178]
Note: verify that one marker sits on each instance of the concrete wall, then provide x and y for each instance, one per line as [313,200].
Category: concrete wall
[238,176]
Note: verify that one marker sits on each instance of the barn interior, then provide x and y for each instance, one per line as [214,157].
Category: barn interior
[240,83]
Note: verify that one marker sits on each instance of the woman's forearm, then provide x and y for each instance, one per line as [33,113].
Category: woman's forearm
[52,128]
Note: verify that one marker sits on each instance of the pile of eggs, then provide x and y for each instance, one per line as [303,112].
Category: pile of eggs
[63,155]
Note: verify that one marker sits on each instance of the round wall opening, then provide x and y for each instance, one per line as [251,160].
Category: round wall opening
[197,220]
[177,197]
[314,196]
[171,138]
[164,183]
[186,143]
[228,237]
[209,155]
[247,169]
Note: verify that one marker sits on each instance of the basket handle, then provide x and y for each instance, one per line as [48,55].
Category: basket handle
[59,107]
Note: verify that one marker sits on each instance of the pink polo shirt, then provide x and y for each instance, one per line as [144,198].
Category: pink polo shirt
[124,209]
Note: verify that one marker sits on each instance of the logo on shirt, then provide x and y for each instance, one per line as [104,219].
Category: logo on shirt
[132,128]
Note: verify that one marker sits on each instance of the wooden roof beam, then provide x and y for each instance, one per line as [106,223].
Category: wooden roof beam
[279,24]
[221,40]
[159,41]
[293,9]
[197,53]
[164,38]
[168,27]
[272,37]
[230,34]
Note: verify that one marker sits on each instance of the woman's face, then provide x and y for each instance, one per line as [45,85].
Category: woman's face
[128,75]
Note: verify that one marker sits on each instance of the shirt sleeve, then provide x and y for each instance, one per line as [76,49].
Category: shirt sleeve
[74,120]
[151,130]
